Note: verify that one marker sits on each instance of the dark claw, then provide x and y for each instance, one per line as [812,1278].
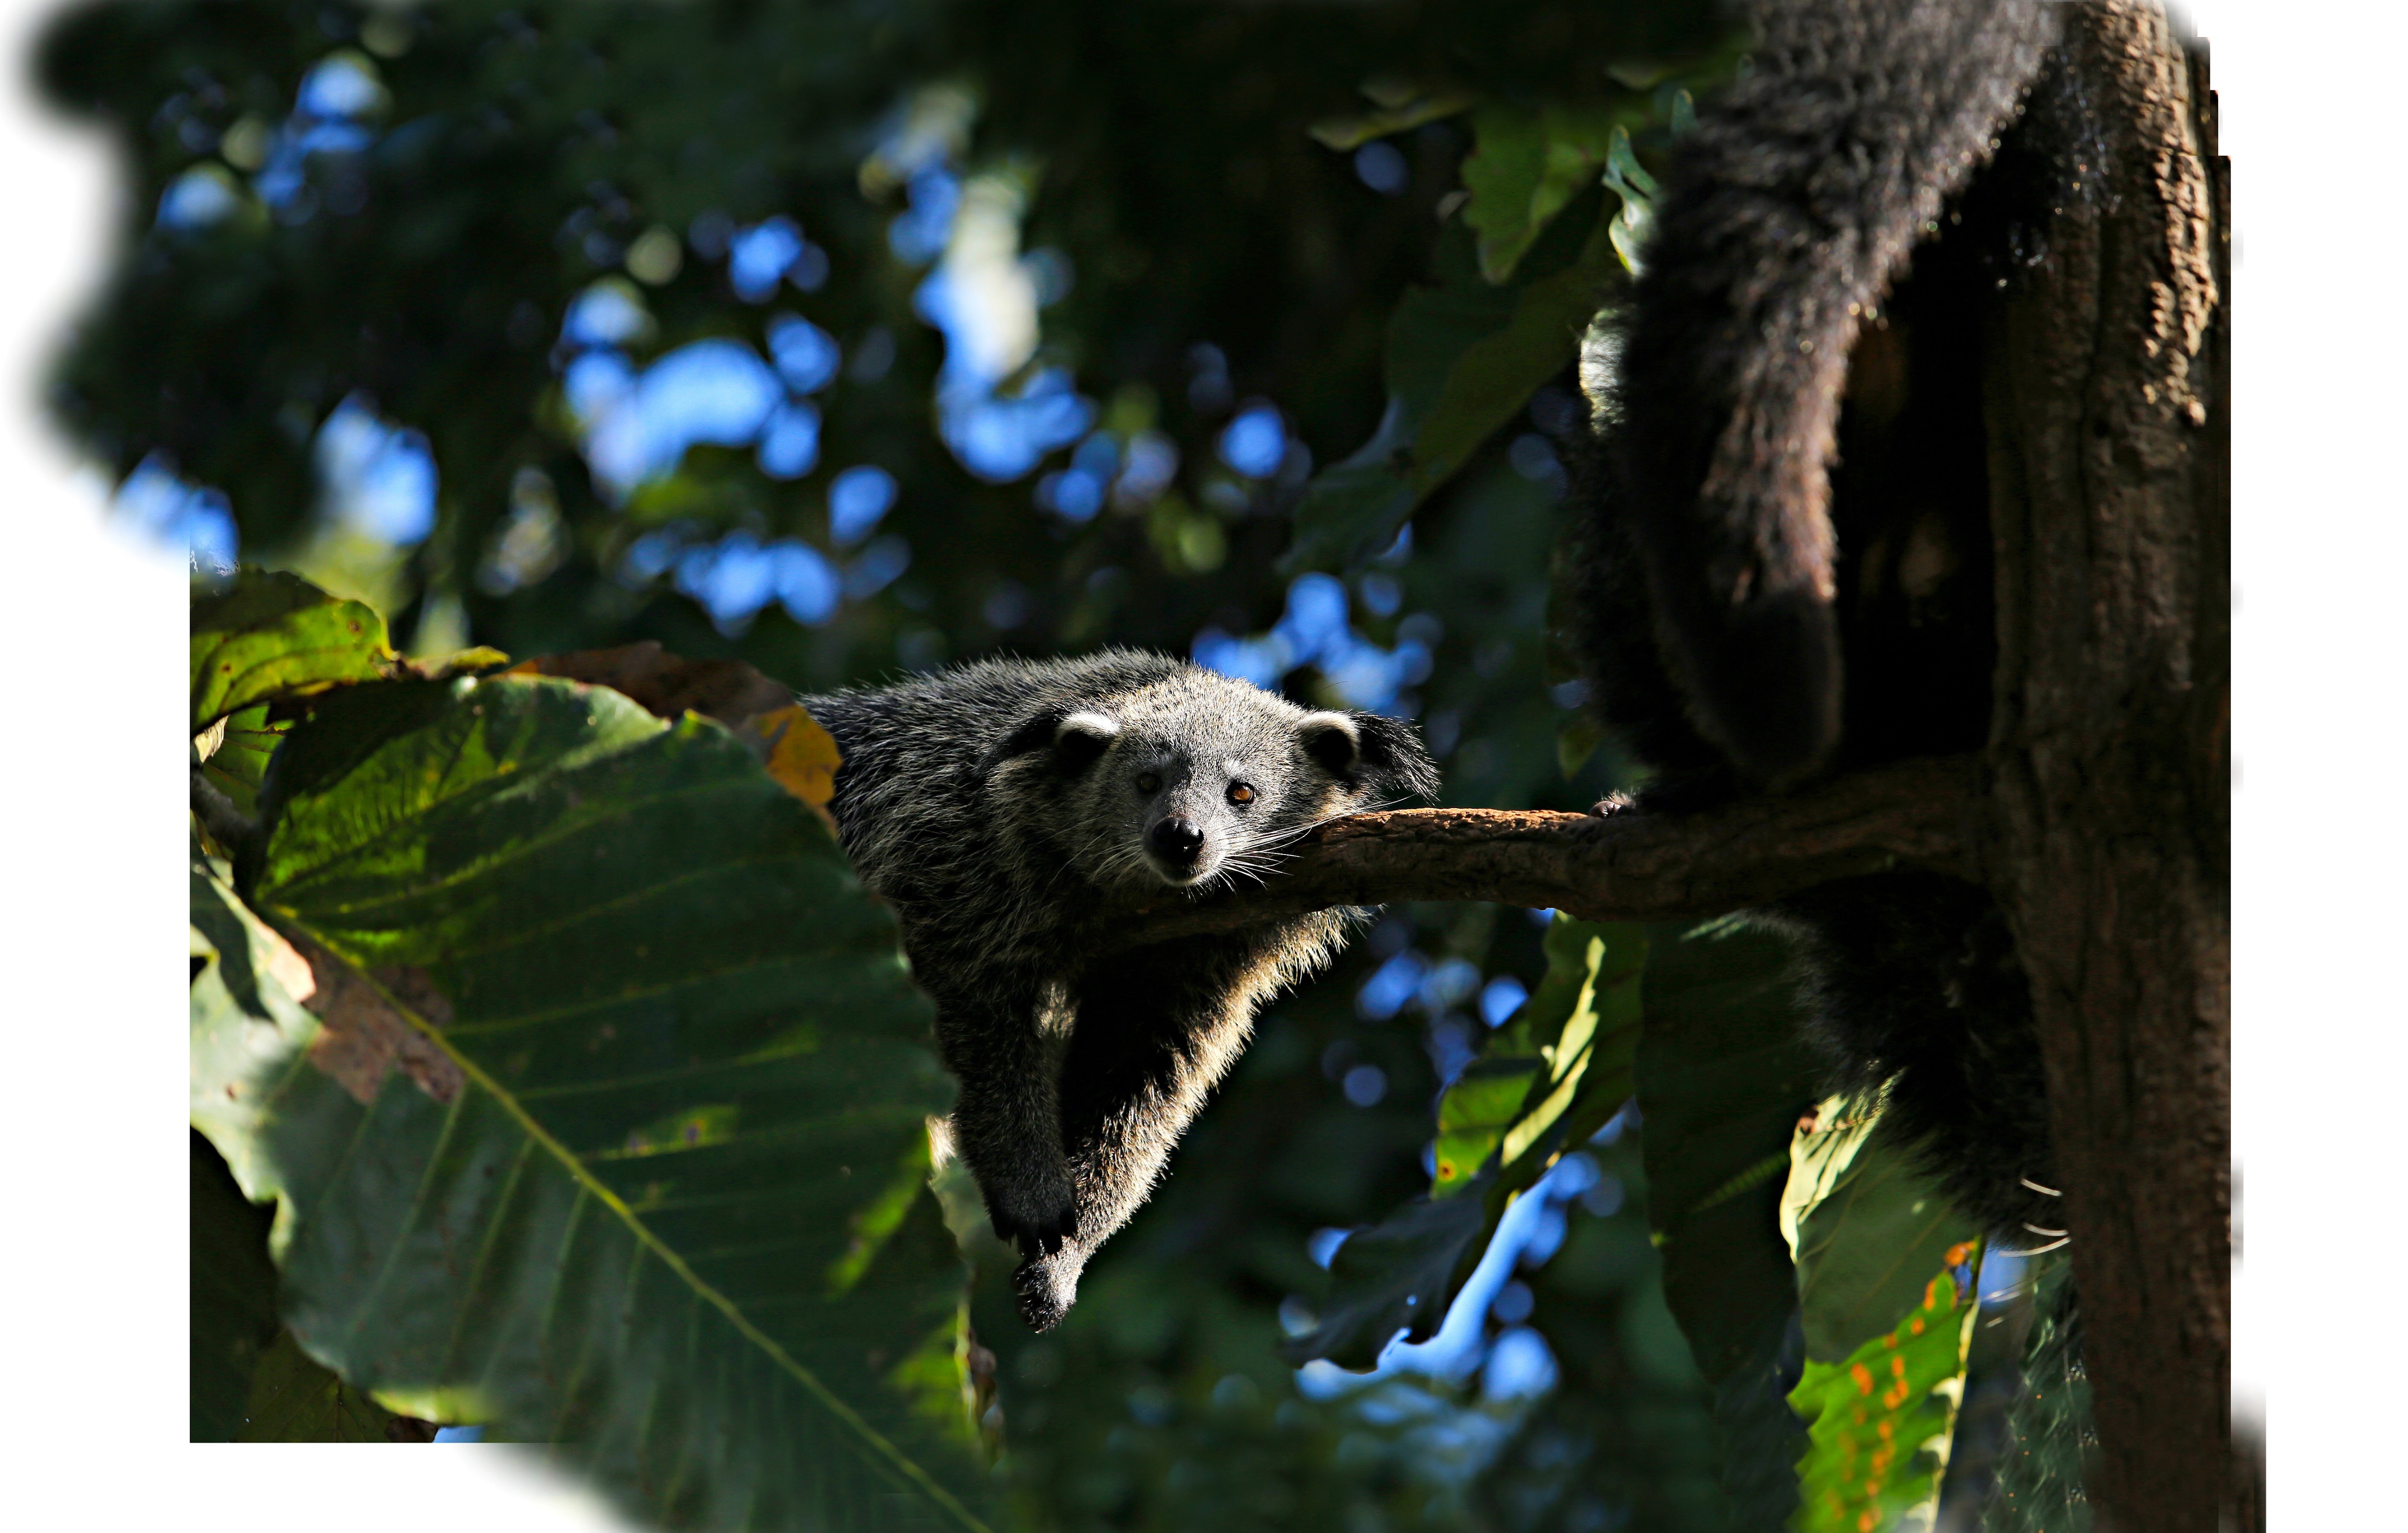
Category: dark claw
[1034,1241]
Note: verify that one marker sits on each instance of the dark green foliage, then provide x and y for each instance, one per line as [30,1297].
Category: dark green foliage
[1626,1437]
[523,148]
[1545,1083]
[233,1296]
[1722,1083]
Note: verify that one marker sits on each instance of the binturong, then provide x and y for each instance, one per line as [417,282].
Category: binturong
[1017,815]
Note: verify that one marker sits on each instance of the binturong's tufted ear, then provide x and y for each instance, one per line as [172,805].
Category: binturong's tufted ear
[1073,741]
[1081,737]
[1369,751]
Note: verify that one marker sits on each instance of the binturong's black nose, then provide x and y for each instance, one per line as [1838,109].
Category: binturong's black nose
[1177,839]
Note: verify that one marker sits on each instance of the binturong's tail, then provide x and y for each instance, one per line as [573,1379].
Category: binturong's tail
[1786,215]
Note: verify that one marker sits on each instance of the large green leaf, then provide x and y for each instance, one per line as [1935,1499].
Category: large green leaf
[649,1181]
[1723,1080]
[1870,1230]
[1564,1059]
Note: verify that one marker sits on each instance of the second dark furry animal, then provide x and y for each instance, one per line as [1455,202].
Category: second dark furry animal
[1013,813]
[1781,541]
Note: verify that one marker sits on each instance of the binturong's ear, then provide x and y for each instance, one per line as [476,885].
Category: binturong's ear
[1367,751]
[1072,741]
[1082,736]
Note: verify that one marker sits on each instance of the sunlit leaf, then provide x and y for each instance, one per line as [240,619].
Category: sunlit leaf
[1629,181]
[1878,1420]
[600,1121]
[1407,110]
[237,747]
[1565,1057]
[803,757]
[1869,1228]
[1549,1081]
[270,634]
[1531,164]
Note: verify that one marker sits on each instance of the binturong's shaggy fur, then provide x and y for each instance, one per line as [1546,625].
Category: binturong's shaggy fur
[1015,813]
[1779,539]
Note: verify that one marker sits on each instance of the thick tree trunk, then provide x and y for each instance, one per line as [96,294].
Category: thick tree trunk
[2110,794]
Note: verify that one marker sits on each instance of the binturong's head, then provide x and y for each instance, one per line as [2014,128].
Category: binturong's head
[1195,780]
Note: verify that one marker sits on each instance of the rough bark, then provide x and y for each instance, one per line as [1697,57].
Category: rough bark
[2108,823]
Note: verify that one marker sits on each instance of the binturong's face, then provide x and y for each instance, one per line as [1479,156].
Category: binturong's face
[1200,780]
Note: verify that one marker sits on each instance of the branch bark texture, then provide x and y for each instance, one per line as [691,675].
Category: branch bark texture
[1620,867]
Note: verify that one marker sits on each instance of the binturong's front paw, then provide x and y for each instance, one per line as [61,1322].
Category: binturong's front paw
[1036,1217]
[1046,1286]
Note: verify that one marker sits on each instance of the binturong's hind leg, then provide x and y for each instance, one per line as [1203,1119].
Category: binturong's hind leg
[1007,1121]
[1156,1029]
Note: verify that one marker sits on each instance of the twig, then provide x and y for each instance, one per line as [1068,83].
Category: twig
[226,824]
[1621,867]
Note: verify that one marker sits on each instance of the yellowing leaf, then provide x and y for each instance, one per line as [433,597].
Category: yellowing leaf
[802,756]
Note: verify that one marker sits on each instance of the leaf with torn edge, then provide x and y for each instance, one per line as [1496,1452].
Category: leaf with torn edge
[603,1120]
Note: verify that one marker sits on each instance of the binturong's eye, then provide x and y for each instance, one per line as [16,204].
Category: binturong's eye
[1240,792]
[1148,782]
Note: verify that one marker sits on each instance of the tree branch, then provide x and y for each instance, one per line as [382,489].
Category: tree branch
[1623,866]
